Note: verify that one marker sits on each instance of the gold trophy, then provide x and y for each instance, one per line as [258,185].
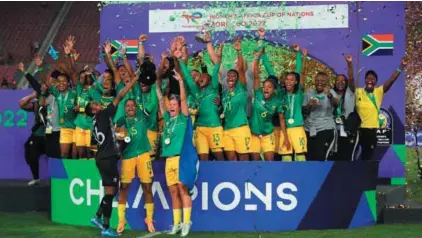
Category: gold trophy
[200,37]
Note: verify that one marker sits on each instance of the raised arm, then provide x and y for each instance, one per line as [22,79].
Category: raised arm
[70,60]
[303,67]
[126,89]
[26,104]
[183,101]
[110,63]
[255,70]
[160,98]
[265,60]
[299,66]
[153,103]
[215,79]
[204,68]
[333,100]
[210,48]
[350,78]
[127,64]
[31,80]
[387,85]
[189,80]
[240,62]
[184,48]
[141,49]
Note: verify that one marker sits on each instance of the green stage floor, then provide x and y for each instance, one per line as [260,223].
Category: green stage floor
[37,225]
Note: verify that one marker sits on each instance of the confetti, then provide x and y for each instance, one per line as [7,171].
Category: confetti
[413,69]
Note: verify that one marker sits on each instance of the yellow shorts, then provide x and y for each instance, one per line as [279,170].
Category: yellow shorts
[153,141]
[277,131]
[142,164]
[209,138]
[298,141]
[66,135]
[172,170]
[82,137]
[262,143]
[238,139]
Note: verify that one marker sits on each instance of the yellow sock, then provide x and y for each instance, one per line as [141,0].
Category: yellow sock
[150,211]
[177,216]
[287,158]
[121,208]
[186,214]
[300,158]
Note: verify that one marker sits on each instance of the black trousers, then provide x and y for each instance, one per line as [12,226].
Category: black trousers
[319,145]
[346,147]
[52,144]
[34,148]
[367,142]
[109,171]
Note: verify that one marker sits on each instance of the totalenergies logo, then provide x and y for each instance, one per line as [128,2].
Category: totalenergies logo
[194,17]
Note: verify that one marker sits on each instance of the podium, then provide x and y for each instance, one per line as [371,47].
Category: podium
[233,196]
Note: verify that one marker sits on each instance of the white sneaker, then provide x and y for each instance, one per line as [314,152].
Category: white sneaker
[185,229]
[175,229]
[33,182]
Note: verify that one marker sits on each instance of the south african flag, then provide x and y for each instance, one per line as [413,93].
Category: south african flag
[131,47]
[377,44]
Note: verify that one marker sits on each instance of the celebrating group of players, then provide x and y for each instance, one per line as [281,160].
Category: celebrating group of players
[140,115]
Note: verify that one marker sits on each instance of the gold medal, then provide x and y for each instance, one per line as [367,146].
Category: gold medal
[127,139]
[339,121]
[291,121]
[167,141]
[81,109]
[61,120]
[222,116]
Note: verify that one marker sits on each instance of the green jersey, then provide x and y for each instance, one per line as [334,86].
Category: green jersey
[208,111]
[131,94]
[137,132]
[191,89]
[148,103]
[173,134]
[66,104]
[84,96]
[106,100]
[234,104]
[292,104]
[262,113]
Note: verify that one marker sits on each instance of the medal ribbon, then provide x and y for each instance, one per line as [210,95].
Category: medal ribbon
[339,108]
[374,101]
[169,132]
[62,104]
[292,104]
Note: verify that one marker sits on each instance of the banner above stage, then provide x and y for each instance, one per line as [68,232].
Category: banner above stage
[251,18]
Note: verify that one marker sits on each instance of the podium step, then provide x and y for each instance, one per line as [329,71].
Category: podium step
[17,196]
[406,213]
[393,194]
